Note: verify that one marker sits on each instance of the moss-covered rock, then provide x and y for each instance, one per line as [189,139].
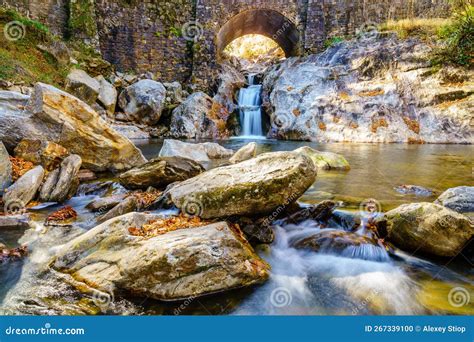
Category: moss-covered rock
[427,228]
[325,160]
[256,186]
[184,263]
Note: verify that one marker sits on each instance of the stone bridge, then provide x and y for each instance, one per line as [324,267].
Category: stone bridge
[182,39]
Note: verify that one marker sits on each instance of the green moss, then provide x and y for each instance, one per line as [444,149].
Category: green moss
[332,41]
[82,17]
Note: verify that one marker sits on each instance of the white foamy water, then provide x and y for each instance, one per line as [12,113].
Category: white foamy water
[250,110]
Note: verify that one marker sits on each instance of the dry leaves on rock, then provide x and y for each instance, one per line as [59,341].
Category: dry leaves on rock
[63,214]
[20,167]
[15,253]
[145,199]
[168,224]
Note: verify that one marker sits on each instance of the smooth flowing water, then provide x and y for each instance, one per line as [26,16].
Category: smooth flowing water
[250,109]
[356,280]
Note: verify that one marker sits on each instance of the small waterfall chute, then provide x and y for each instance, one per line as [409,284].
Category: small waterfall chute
[250,104]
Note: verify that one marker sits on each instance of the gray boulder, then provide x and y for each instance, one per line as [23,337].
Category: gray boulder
[256,186]
[246,152]
[325,160]
[203,153]
[176,265]
[17,196]
[143,101]
[62,183]
[81,85]
[107,95]
[160,172]
[5,169]
[460,199]
[427,228]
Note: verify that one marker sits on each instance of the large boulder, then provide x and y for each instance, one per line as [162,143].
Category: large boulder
[81,85]
[107,95]
[203,153]
[325,160]
[176,265]
[62,183]
[17,196]
[46,153]
[460,199]
[256,186]
[427,228]
[14,122]
[246,152]
[160,172]
[5,169]
[371,90]
[143,101]
[199,117]
[56,116]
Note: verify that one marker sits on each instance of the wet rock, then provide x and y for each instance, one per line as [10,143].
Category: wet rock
[105,204]
[373,90]
[85,175]
[143,101]
[321,212]
[131,132]
[203,153]
[46,153]
[62,183]
[325,160]
[199,117]
[59,117]
[127,205]
[256,186]
[81,85]
[24,189]
[413,190]
[427,228]
[256,230]
[244,153]
[343,243]
[176,265]
[14,221]
[5,169]
[160,172]
[460,199]
[107,95]
[97,188]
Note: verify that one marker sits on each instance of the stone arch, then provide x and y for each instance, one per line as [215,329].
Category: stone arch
[266,22]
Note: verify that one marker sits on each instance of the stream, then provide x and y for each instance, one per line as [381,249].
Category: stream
[356,282]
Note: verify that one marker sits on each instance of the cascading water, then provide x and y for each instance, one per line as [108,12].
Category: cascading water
[250,103]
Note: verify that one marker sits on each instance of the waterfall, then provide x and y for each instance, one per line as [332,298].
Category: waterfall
[250,109]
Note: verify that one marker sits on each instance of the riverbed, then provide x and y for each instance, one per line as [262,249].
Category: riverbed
[301,282]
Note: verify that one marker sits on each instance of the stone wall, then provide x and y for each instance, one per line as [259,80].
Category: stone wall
[54,13]
[148,35]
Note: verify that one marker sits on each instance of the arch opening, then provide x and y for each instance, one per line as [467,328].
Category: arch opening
[253,47]
[265,22]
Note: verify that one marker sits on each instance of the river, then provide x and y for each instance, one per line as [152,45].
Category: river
[301,282]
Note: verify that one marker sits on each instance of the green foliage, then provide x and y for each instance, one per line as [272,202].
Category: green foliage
[459,38]
[175,31]
[332,41]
